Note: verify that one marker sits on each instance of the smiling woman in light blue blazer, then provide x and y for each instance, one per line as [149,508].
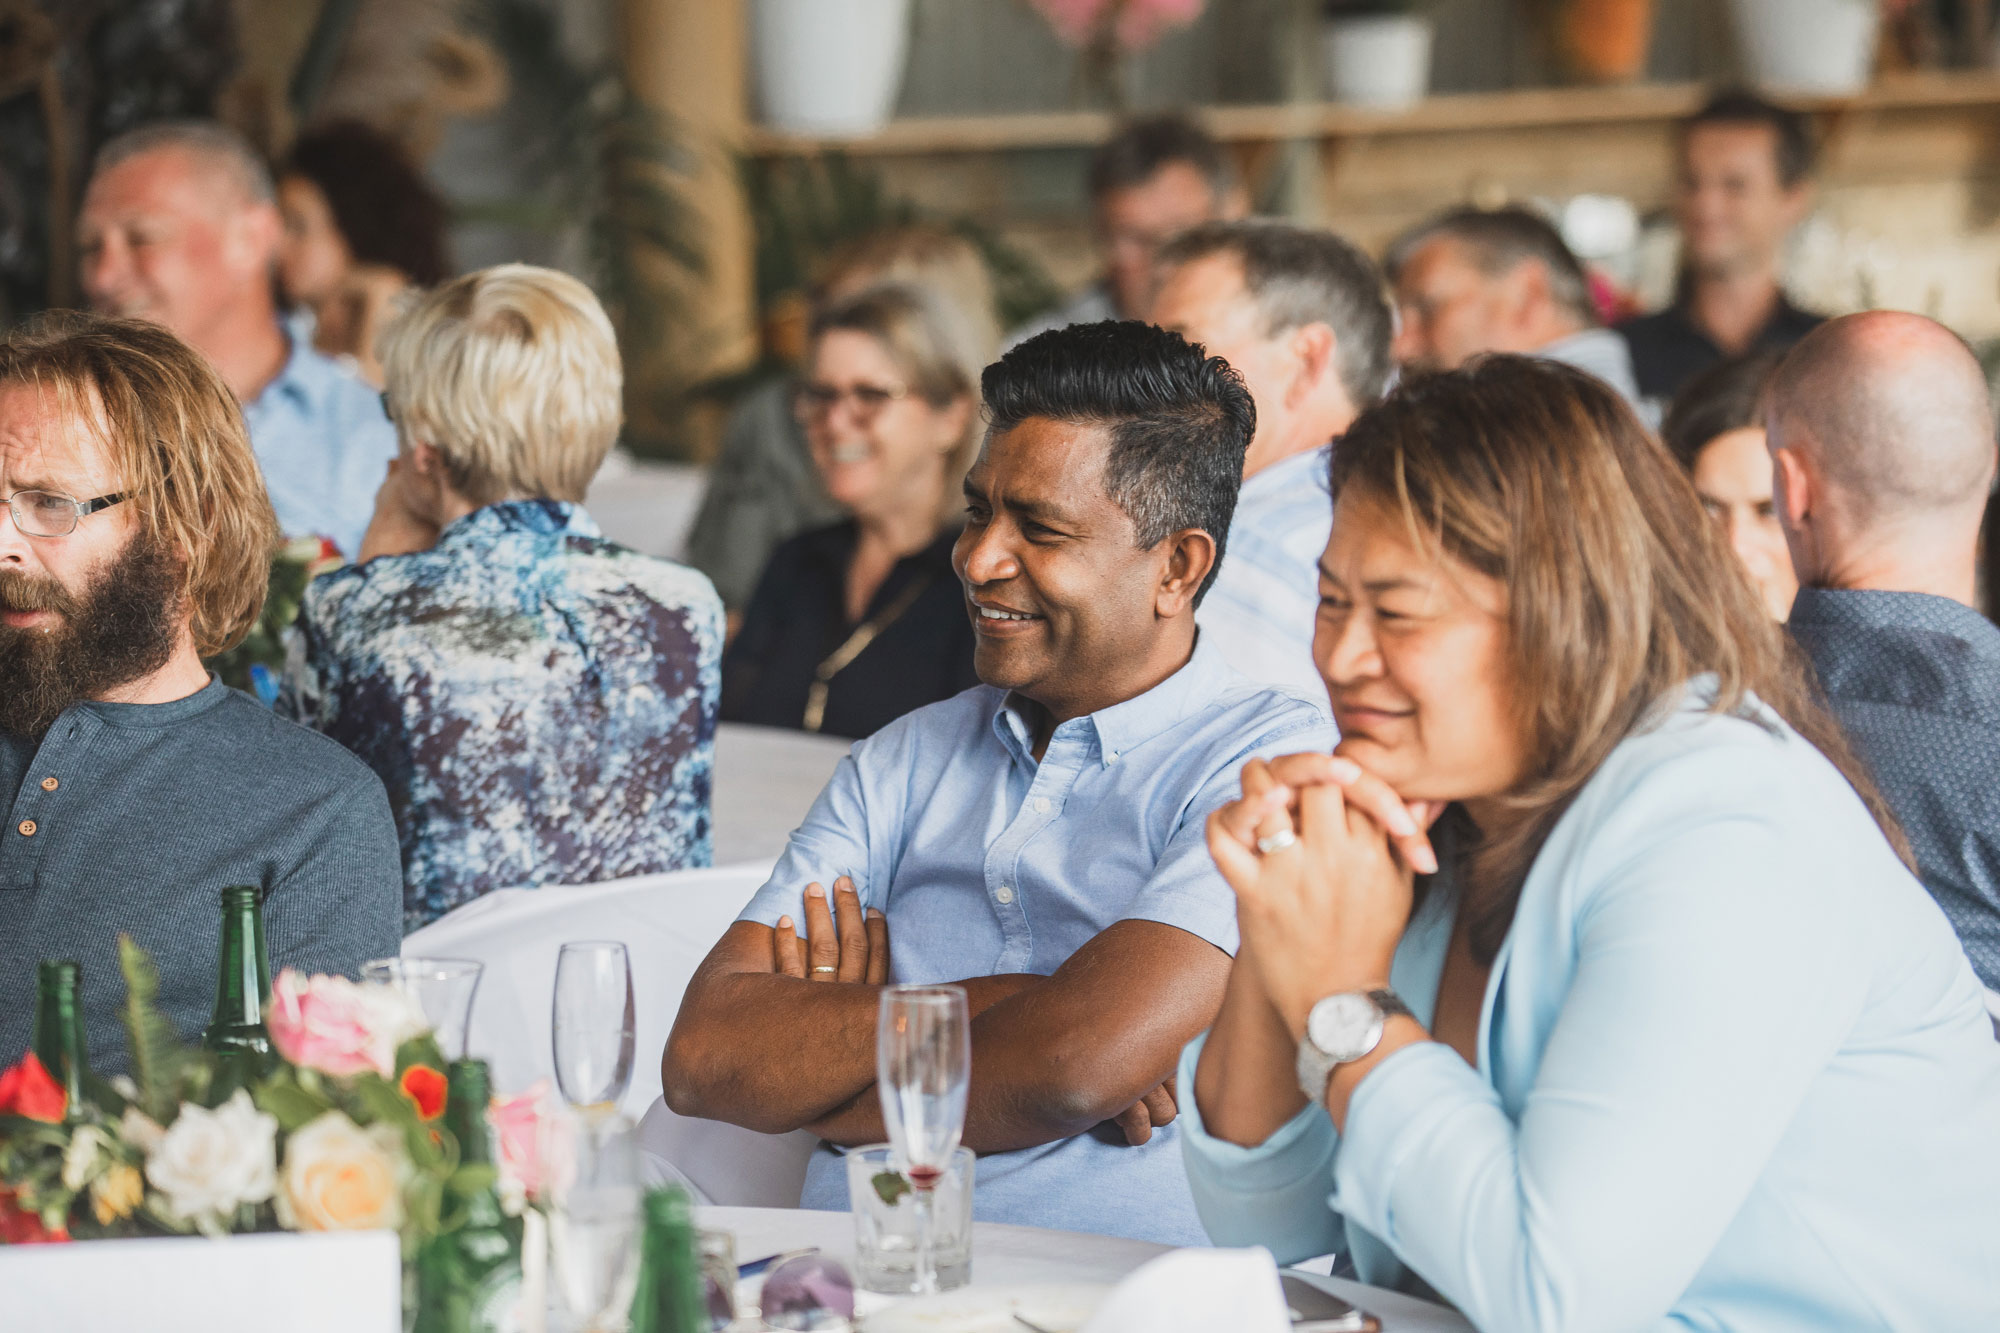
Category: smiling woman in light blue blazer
[1671,1038]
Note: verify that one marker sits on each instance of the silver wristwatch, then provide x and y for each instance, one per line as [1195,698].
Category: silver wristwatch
[1342,1028]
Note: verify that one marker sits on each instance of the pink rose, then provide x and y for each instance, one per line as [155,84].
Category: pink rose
[534,1140]
[339,1027]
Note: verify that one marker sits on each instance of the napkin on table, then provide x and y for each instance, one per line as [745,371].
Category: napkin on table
[1197,1291]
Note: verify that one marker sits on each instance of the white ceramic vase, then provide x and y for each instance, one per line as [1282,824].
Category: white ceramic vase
[829,66]
[1824,47]
[1378,60]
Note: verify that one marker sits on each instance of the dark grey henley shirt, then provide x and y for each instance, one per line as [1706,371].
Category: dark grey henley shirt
[134,817]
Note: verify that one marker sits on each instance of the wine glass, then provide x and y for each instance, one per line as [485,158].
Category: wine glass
[594,1228]
[592,1026]
[923,1065]
[443,988]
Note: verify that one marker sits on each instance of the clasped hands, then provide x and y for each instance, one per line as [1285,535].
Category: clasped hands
[1324,902]
[844,942]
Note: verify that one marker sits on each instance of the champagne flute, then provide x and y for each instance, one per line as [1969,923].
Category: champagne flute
[923,1066]
[594,1228]
[593,1026]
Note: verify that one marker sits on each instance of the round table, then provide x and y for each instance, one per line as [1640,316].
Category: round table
[1008,1255]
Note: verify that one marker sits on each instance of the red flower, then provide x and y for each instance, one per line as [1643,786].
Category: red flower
[425,1087]
[27,1090]
[21,1227]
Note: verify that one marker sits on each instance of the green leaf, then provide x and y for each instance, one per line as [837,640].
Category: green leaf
[890,1186]
[157,1057]
[294,1106]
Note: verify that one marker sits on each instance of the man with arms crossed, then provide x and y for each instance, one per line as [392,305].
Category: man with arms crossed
[134,539]
[1039,837]
[1303,317]
[1881,436]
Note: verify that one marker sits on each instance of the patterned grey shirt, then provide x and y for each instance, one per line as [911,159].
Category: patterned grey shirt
[539,701]
[1915,680]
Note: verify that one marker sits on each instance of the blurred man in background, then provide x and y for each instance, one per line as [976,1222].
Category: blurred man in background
[179,226]
[1303,317]
[1499,280]
[1149,182]
[1881,439]
[1743,186]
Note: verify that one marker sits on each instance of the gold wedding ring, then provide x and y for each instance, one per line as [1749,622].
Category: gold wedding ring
[824,968]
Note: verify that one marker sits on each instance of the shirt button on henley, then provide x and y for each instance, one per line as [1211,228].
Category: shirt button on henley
[1004,895]
[50,784]
[27,828]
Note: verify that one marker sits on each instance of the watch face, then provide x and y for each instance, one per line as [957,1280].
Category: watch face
[1346,1026]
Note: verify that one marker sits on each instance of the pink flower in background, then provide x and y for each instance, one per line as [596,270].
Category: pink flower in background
[339,1027]
[1132,23]
[534,1140]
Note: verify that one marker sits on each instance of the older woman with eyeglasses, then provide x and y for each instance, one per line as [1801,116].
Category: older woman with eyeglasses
[859,622]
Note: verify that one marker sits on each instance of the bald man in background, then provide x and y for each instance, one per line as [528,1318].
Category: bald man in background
[1882,450]
[180,226]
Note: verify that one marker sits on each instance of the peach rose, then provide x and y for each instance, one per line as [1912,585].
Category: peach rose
[341,1177]
[340,1027]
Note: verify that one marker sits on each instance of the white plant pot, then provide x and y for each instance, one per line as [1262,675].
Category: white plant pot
[1378,60]
[1808,46]
[829,66]
[329,1282]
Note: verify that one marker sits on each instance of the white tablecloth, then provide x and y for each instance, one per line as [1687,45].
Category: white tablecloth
[766,778]
[1006,1256]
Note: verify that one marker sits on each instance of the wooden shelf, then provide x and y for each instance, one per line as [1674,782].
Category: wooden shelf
[1534,108]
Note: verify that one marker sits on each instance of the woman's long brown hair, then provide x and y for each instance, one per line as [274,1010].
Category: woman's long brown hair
[1620,589]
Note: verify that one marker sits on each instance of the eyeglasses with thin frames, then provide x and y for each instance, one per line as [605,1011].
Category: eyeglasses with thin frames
[49,514]
[815,402]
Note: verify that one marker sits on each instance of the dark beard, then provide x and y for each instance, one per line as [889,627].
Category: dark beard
[120,628]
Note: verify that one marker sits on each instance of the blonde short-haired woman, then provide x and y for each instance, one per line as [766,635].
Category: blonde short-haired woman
[539,701]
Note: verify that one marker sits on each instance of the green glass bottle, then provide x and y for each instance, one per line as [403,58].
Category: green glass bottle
[469,1277]
[58,1039]
[669,1298]
[242,982]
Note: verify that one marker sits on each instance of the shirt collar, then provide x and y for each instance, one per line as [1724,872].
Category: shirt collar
[1878,608]
[1127,725]
[1287,474]
[548,518]
[166,714]
[305,378]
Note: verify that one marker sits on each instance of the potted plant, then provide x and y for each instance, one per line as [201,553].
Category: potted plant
[829,66]
[1598,41]
[1808,46]
[1378,53]
[1107,33]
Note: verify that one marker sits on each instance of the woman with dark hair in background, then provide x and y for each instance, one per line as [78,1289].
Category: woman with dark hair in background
[361,225]
[1666,1032]
[1716,429]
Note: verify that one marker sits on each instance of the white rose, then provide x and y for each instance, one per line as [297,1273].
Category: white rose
[209,1162]
[81,1156]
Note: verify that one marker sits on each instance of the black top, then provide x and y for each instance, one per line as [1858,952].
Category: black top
[1668,349]
[134,817]
[798,618]
[1915,682]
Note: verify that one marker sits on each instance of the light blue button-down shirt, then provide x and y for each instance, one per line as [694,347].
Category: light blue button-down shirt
[987,862]
[1734,1073]
[324,445]
[1265,599]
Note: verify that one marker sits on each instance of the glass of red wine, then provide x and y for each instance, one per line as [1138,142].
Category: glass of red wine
[923,1065]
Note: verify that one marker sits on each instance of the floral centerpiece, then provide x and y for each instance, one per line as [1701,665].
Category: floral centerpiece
[343,1131]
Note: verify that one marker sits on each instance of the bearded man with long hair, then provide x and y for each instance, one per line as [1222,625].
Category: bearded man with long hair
[135,540]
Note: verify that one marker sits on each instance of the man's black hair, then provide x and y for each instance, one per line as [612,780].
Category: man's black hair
[1141,149]
[1180,420]
[1793,136]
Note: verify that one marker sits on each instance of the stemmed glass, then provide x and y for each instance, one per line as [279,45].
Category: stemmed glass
[593,1025]
[923,1065]
[595,1223]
